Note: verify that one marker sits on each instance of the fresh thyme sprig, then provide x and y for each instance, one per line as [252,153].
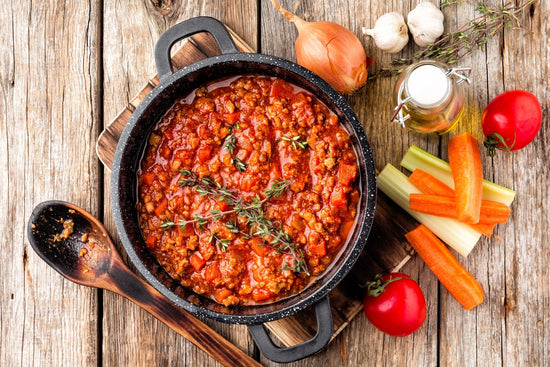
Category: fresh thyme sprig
[455,45]
[167,224]
[296,142]
[239,165]
[258,224]
[230,142]
[223,243]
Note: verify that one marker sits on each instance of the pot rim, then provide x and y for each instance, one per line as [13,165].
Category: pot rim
[368,188]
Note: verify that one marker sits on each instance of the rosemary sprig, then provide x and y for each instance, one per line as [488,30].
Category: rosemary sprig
[455,45]
[258,224]
[296,142]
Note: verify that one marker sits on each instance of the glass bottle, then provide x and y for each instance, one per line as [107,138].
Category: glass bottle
[429,97]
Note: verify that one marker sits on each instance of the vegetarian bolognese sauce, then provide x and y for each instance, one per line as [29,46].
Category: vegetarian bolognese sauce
[247,189]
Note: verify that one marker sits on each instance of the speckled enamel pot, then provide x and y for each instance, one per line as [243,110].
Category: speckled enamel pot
[132,143]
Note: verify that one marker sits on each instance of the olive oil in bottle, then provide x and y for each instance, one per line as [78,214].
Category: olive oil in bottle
[429,97]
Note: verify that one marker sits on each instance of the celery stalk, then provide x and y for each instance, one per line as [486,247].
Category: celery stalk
[418,158]
[397,186]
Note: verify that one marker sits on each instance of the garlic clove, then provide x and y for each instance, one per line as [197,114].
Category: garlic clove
[425,23]
[390,33]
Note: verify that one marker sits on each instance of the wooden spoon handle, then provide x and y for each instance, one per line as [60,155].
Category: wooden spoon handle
[127,284]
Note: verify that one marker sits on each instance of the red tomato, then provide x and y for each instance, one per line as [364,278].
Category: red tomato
[400,308]
[516,116]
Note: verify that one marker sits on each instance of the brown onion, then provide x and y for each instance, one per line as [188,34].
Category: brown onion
[329,50]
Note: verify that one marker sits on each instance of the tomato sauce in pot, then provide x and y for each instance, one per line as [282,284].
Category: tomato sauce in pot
[247,190]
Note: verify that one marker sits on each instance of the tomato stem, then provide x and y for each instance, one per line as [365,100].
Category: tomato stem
[377,286]
[492,143]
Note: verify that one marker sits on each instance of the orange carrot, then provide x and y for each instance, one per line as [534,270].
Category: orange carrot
[493,212]
[465,164]
[259,295]
[212,272]
[148,178]
[151,241]
[197,262]
[428,184]
[258,246]
[221,294]
[445,206]
[317,249]
[346,173]
[458,281]
[484,229]
[338,197]
[161,207]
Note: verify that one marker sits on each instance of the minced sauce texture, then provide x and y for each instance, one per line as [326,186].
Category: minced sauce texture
[247,190]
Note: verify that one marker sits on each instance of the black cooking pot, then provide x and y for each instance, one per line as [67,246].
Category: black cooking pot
[130,149]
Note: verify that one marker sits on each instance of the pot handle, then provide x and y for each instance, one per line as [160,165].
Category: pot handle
[305,349]
[188,28]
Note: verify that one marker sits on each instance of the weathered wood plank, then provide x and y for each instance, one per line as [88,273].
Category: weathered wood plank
[52,56]
[49,119]
[524,304]
[131,336]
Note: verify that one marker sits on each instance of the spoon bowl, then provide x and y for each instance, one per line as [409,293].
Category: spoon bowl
[78,247]
[72,241]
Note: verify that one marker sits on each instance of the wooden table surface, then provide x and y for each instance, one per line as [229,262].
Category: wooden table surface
[68,68]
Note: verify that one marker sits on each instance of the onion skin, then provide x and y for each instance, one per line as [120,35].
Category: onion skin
[334,53]
[331,51]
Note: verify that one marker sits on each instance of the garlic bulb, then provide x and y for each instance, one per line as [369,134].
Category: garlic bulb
[390,32]
[425,23]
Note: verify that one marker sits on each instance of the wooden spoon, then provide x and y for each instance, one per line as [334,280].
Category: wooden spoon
[77,245]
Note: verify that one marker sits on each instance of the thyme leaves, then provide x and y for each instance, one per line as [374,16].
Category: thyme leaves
[252,211]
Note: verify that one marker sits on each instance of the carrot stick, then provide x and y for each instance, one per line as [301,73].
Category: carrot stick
[458,281]
[467,173]
[484,229]
[428,184]
[491,212]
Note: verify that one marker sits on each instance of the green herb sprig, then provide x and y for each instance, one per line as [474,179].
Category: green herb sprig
[455,45]
[296,142]
[259,226]
[239,165]
[230,143]
[167,224]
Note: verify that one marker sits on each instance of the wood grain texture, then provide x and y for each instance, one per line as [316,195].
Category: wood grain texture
[67,68]
[49,118]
